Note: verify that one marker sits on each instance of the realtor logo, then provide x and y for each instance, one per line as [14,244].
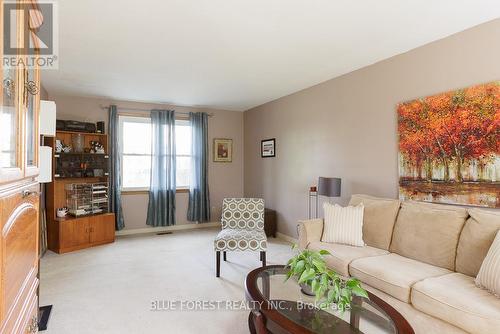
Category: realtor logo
[30,34]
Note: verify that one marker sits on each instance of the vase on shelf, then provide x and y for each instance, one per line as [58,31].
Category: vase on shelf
[77,140]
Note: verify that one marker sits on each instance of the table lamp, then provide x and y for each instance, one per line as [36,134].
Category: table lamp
[328,187]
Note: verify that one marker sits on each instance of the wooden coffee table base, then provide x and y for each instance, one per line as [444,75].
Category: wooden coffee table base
[288,318]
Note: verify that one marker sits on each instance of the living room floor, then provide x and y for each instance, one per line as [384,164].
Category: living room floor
[110,289]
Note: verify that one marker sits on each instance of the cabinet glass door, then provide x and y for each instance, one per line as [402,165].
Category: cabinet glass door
[31,99]
[31,93]
[9,121]
[11,161]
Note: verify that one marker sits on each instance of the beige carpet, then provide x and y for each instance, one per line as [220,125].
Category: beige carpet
[110,289]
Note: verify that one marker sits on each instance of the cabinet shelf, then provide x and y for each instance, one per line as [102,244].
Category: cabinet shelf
[57,176]
[81,133]
[64,154]
[70,218]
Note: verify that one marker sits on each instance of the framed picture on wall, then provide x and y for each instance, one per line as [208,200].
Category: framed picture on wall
[223,150]
[268,148]
[448,150]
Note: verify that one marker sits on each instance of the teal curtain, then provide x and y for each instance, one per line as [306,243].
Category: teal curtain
[115,200]
[161,207]
[199,195]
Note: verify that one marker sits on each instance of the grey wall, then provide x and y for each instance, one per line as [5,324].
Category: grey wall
[43,93]
[346,127]
[225,179]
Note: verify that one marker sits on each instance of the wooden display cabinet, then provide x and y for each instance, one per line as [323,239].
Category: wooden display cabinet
[73,233]
[19,189]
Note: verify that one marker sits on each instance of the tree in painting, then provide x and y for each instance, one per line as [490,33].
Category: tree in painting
[449,147]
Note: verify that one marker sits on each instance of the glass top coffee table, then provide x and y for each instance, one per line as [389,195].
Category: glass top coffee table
[281,307]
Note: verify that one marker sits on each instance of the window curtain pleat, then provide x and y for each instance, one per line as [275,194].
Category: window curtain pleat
[199,196]
[114,170]
[161,206]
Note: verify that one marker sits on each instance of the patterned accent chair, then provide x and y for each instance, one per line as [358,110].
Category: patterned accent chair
[242,228]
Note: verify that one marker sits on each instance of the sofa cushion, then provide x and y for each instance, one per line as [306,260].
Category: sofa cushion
[393,274]
[475,240]
[421,323]
[455,299]
[342,255]
[379,218]
[489,274]
[343,225]
[428,233]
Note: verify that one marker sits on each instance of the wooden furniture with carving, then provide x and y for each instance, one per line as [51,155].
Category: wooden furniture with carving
[19,190]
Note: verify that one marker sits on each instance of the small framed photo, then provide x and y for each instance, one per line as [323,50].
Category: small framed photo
[223,150]
[268,148]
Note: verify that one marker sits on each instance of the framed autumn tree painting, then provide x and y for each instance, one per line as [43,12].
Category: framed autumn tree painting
[449,147]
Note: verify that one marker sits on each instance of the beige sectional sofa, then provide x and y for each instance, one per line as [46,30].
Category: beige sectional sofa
[421,258]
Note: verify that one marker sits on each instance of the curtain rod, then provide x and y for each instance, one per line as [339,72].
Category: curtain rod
[149,110]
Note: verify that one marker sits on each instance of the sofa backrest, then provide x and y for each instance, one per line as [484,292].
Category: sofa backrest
[475,240]
[428,232]
[378,219]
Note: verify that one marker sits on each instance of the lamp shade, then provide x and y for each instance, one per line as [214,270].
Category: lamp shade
[329,186]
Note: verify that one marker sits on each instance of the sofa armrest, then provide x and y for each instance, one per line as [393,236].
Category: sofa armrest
[309,230]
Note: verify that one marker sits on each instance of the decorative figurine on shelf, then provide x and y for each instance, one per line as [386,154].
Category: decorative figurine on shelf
[62,212]
[67,148]
[97,147]
[59,146]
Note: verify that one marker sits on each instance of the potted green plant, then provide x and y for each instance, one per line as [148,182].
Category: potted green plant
[311,272]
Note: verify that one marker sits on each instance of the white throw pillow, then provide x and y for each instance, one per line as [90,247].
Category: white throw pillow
[343,225]
[489,273]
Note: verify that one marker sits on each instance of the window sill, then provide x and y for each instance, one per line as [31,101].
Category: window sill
[146,192]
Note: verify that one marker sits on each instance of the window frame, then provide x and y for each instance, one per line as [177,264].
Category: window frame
[141,118]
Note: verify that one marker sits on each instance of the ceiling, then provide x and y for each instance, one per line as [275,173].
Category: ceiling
[237,54]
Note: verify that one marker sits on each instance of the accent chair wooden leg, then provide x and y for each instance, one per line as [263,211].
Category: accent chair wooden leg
[263,258]
[224,256]
[260,256]
[217,263]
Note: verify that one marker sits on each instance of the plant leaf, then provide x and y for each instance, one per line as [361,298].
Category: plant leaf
[306,275]
[319,264]
[288,275]
[352,282]
[359,291]
[324,252]
[330,298]
[314,285]
[299,267]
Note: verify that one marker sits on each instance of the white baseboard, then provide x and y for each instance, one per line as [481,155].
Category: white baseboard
[287,238]
[166,228]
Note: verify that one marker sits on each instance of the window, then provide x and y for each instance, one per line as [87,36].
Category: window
[135,147]
[183,152]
